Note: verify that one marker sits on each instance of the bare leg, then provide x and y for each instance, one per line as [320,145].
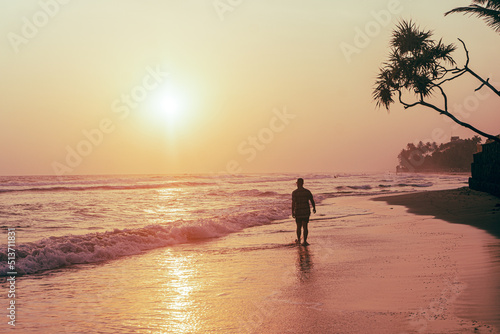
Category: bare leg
[299,231]
[306,232]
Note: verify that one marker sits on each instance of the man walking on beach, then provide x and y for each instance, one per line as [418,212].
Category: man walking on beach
[301,209]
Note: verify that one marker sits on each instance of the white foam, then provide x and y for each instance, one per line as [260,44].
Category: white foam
[55,252]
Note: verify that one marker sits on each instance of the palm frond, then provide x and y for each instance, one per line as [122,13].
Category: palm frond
[487,3]
[408,38]
[443,52]
[490,14]
[415,64]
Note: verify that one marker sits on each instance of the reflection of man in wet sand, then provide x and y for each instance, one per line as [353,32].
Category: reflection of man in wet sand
[304,262]
[301,209]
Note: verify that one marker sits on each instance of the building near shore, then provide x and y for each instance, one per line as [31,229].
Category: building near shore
[485,169]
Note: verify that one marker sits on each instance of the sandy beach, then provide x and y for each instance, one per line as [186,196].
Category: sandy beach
[372,267]
[458,206]
[392,271]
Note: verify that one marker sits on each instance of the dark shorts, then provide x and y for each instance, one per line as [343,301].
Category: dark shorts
[301,221]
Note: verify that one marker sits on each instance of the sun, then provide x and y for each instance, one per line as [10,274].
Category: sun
[170,106]
[167,108]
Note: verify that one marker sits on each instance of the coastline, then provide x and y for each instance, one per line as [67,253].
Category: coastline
[457,206]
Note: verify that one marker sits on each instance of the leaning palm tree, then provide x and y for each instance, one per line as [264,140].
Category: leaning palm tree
[489,10]
[419,66]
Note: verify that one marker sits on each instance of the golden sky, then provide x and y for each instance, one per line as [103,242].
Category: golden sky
[202,86]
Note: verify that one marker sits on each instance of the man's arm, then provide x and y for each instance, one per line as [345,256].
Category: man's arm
[293,206]
[312,202]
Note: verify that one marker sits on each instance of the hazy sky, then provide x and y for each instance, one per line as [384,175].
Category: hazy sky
[191,86]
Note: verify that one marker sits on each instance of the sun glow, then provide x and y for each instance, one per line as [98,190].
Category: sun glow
[167,109]
[170,105]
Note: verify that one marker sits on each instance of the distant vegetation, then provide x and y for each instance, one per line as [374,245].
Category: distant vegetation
[454,156]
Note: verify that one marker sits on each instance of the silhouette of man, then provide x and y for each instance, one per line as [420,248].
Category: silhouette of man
[301,209]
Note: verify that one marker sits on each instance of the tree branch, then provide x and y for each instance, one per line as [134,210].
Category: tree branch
[466,68]
[445,98]
[456,120]
[446,113]
[466,53]
[406,105]
[478,88]
[485,83]
[460,72]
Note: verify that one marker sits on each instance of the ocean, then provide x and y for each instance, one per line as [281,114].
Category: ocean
[112,254]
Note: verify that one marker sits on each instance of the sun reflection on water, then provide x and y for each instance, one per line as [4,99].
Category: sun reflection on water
[168,205]
[176,292]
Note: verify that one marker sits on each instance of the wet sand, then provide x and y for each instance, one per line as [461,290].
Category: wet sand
[392,271]
[458,206]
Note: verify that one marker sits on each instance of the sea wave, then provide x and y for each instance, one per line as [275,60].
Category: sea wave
[56,252]
[256,193]
[59,188]
[370,187]
[362,187]
[417,185]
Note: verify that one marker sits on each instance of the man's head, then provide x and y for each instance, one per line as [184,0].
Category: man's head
[300,182]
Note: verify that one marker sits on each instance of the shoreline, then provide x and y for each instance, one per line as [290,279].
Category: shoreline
[456,206]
